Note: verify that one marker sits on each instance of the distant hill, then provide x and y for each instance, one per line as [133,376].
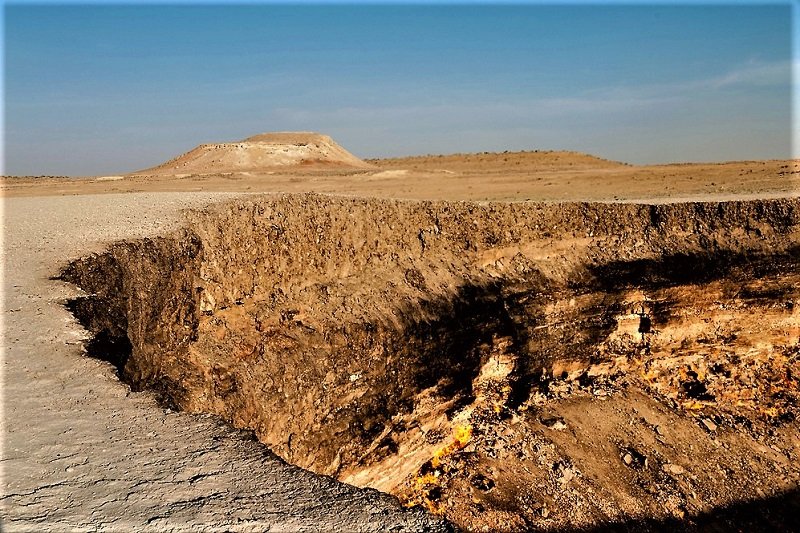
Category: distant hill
[539,160]
[260,153]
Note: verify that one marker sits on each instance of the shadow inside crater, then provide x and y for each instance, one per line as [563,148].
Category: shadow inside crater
[779,513]
[109,341]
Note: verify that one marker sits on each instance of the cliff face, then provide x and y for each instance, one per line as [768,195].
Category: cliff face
[381,341]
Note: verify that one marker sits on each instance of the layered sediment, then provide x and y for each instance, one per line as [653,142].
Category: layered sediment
[413,346]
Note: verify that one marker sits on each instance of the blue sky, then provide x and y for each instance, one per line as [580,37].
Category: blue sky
[103,89]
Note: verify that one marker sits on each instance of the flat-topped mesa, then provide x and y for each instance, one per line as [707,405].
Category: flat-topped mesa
[266,152]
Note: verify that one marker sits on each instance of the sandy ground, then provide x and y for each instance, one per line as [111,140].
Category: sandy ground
[82,452]
[518,176]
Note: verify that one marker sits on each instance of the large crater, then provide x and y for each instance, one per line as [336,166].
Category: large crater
[420,348]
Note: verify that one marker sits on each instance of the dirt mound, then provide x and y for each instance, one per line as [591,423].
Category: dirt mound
[539,160]
[266,152]
[510,366]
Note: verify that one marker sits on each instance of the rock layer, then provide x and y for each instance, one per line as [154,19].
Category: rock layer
[355,336]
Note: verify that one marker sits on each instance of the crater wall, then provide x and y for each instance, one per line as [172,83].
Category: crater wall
[350,333]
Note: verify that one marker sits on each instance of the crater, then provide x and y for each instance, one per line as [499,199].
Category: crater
[419,347]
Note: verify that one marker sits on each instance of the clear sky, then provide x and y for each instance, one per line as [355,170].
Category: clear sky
[105,89]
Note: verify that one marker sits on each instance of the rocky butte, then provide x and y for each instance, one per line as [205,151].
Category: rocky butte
[261,153]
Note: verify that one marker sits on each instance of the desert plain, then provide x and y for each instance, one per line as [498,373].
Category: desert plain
[273,334]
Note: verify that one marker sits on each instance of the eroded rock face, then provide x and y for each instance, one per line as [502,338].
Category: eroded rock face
[378,340]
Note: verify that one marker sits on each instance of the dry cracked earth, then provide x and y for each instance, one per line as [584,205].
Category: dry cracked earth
[307,361]
[81,451]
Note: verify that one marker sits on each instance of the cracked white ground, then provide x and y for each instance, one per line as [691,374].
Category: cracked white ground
[82,452]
